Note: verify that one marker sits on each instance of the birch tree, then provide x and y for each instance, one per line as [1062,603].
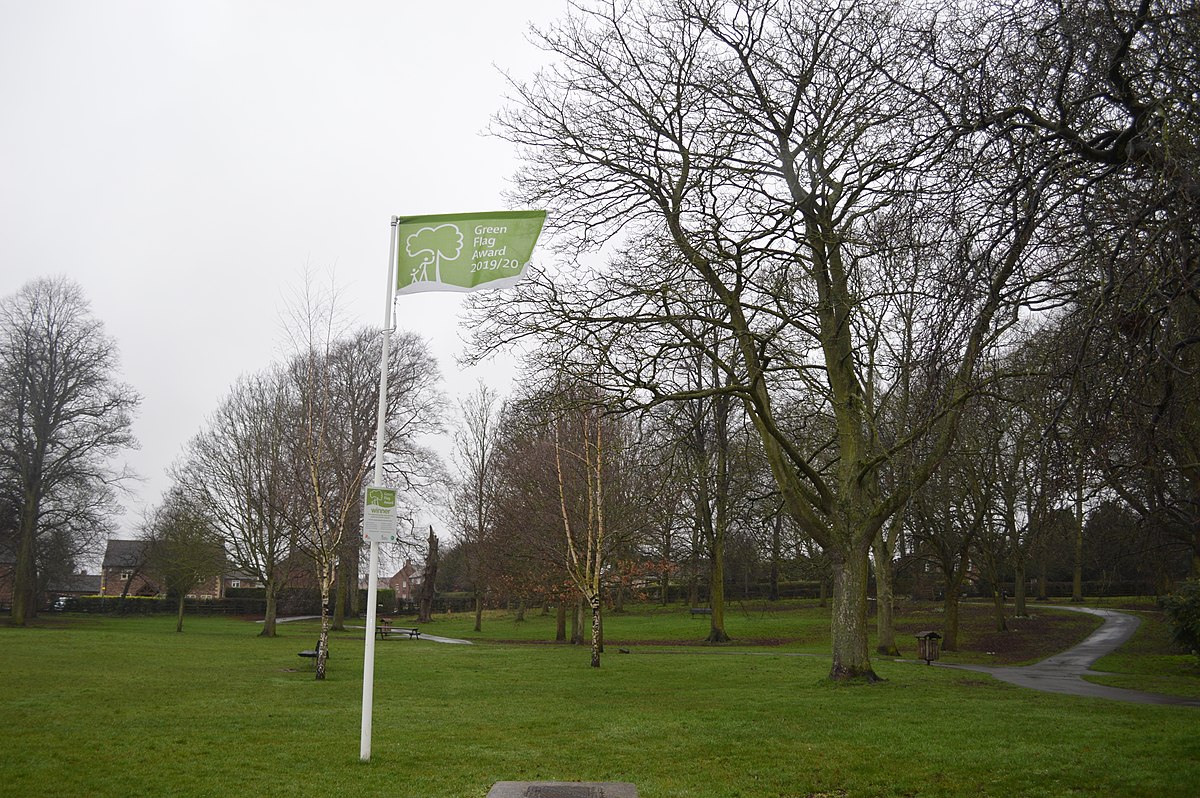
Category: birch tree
[335,389]
[579,464]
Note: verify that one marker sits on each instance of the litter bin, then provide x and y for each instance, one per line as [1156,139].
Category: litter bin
[927,646]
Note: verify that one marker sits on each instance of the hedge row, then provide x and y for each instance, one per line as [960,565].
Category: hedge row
[240,601]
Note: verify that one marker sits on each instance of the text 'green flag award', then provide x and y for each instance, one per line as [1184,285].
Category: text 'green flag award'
[464,251]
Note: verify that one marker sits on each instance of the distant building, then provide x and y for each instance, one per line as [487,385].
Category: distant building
[123,572]
[406,581]
[235,580]
[74,586]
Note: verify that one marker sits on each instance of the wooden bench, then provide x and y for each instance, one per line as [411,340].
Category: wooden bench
[700,611]
[312,652]
[384,630]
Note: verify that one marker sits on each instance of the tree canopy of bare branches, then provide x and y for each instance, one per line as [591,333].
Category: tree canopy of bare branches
[63,416]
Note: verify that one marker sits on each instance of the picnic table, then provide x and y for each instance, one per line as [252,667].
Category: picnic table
[385,629]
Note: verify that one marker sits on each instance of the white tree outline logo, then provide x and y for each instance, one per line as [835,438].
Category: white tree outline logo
[433,245]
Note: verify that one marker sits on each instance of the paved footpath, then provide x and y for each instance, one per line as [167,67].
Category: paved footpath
[1063,672]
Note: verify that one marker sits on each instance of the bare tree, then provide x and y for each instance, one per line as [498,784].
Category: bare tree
[184,549]
[63,416]
[428,580]
[735,151]
[579,461]
[235,472]
[1108,91]
[335,390]
[476,440]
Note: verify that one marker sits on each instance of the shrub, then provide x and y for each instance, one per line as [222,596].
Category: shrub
[1183,611]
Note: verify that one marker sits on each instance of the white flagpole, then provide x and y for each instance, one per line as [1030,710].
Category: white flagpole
[364,748]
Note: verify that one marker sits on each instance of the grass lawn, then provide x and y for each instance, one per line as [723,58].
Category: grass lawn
[1150,661]
[800,626]
[127,707]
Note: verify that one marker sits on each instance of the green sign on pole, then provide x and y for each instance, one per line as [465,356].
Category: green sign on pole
[379,515]
[464,251]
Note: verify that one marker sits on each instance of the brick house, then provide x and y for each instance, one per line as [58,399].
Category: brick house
[238,579]
[123,572]
[406,581]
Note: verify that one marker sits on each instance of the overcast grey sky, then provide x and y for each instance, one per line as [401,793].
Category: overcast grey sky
[186,161]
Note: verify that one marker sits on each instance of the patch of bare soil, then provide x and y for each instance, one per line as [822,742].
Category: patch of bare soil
[1043,633]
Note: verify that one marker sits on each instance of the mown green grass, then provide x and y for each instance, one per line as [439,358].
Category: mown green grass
[798,626]
[1150,661]
[126,707]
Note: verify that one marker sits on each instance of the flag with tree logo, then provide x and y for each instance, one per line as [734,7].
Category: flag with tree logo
[464,251]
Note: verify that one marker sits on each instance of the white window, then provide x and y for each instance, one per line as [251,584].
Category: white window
[126,576]
[235,583]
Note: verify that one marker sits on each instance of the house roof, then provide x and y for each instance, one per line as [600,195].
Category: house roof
[76,583]
[409,570]
[125,554]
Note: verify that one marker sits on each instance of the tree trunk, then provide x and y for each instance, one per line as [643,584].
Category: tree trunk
[560,623]
[24,604]
[716,592]
[323,640]
[694,575]
[271,591]
[577,624]
[428,580]
[950,631]
[884,626]
[1077,574]
[520,609]
[998,605]
[1019,588]
[478,611]
[179,614]
[339,599]
[1042,593]
[849,617]
[776,555]
[597,635]
[354,608]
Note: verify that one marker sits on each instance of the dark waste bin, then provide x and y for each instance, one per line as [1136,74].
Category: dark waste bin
[927,646]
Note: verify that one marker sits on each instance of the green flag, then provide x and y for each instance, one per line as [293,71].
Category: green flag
[464,251]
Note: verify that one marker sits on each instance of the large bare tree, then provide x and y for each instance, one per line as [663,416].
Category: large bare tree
[237,473]
[734,154]
[63,416]
[476,443]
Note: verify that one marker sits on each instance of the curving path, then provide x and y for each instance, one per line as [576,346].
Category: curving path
[1063,673]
